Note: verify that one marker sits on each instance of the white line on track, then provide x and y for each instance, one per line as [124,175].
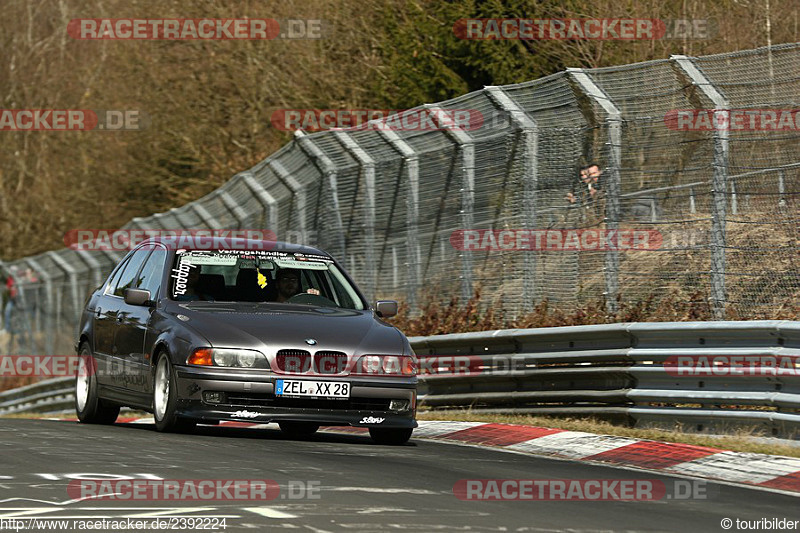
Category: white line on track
[379,490]
[268,512]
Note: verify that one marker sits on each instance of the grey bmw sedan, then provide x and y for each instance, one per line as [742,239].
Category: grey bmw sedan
[267,332]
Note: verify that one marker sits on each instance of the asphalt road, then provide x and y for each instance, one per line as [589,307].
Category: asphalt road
[357,485]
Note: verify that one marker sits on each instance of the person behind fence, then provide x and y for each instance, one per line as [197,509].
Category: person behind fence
[14,317]
[11,294]
[587,192]
[588,187]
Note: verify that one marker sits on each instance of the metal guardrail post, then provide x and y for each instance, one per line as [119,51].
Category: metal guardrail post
[411,166]
[394,268]
[298,192]
[158,219]
[719,181]
[781,190]
[47,314]
[331,180]
[529,131]
[115,257]
[179,214]
[136,222]
[466,148]
[73,283]
[367,172]
[236,210]
[94,266]
[268,202]
[613,120]
[203,214]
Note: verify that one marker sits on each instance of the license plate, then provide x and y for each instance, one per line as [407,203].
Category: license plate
[312,389]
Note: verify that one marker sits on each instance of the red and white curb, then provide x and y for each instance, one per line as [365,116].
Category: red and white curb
[766,471]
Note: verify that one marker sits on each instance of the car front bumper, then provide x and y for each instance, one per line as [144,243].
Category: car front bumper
[249,396]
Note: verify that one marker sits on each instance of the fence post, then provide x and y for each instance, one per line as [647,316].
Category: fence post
[613,119]
[73,282]
[268,202]
[330,179]
[47,313]
[94,266]
[236,210]
[367,172]
[203,214]
[298,193]
[466,148]
[719,181]
[529,131]
[411,167]
[3,270]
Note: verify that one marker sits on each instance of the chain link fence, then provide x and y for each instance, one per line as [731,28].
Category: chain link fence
[386,202]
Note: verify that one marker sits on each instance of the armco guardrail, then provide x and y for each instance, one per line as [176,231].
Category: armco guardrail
[52,395]
[616,371]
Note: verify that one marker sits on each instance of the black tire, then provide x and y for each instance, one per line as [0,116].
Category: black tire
[298,429]
[165,415]
[90,408]
[391,436]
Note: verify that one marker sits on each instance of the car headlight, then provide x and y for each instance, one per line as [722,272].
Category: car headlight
[386,365]
[228,357]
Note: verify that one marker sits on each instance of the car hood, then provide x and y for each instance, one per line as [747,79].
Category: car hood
[272,327]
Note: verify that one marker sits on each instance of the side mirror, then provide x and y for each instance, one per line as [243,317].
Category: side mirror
[137,297]
[386,308]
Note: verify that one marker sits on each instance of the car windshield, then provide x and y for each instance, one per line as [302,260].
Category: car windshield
[260,276]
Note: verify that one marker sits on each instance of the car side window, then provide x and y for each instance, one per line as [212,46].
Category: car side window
[128,278]
[114,278]
[150,277]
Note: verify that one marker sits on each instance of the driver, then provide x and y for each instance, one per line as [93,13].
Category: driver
[288,282]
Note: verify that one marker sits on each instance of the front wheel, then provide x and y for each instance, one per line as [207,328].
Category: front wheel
[165,399]
[88,405]
[393,436]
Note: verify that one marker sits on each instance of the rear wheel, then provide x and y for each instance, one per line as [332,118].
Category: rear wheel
[165,399]
[88,405]
[298,429]
[392,436]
